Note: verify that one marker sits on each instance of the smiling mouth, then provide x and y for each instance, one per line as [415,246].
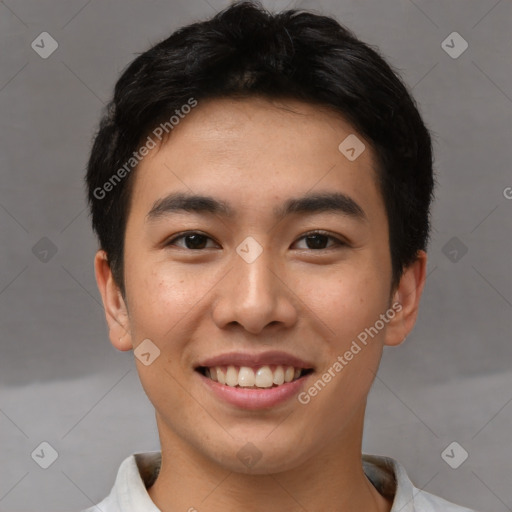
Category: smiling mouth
[260,377]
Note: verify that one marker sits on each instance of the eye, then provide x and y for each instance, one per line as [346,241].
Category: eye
[318,239]
[192,239]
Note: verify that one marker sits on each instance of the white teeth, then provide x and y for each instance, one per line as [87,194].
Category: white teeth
[279,376]
[231,376]
[221,375]
[244,376]
[264,377]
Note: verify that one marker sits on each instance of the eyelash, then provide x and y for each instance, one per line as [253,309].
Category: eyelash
[338,242]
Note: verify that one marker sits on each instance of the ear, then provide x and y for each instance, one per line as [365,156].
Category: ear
[116,311]
[406,301]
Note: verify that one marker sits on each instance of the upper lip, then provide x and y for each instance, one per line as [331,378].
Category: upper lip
[273,357]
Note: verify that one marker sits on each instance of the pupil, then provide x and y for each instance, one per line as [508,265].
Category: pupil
[197,241]
[317,241]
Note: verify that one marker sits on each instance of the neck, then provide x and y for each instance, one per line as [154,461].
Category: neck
[332,479]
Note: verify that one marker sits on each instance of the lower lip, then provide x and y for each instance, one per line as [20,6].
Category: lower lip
[253,398]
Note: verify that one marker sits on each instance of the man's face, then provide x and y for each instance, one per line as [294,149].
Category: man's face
[254,282]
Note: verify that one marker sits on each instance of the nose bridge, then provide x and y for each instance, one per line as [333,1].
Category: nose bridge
[255,279]
[253,296]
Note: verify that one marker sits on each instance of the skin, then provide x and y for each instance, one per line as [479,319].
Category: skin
[193,304]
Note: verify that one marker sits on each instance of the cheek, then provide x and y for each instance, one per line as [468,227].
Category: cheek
[346,301]
[160,297]
[349,303]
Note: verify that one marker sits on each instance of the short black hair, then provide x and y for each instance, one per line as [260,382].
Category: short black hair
[247,51]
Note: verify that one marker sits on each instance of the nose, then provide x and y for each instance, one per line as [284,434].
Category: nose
[255,296]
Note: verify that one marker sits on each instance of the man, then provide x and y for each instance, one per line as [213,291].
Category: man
[260,186]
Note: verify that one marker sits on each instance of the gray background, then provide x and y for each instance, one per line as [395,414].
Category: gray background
[60,379]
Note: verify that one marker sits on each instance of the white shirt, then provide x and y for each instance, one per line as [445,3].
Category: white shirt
[138,472]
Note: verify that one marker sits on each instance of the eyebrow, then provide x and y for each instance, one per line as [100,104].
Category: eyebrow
[335,202]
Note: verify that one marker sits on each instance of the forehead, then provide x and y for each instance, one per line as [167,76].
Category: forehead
[255,151]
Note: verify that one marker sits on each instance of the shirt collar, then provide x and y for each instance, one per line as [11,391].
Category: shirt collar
[138,472]
[389,477]
[135,473]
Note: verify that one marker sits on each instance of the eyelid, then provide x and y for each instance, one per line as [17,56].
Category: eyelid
[183,234]
[338,241]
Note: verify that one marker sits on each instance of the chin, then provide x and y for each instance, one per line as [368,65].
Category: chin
[260,457]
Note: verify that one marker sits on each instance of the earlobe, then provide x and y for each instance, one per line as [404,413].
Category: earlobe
[406,301]
[116,312]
